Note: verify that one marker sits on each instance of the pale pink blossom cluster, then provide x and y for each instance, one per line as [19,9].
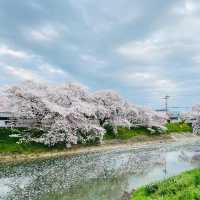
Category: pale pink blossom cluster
[72,114]
[4,105]
[193,118]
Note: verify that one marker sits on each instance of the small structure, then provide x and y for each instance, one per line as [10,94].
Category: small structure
[174,117]
[5,119]
[8,119]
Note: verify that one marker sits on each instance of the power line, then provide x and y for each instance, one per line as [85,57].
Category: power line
[180,107]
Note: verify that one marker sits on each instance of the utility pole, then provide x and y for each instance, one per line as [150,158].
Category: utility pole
[166,98]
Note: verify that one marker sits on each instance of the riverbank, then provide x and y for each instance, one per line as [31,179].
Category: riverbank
[185,186]
[109,145]
[13,140]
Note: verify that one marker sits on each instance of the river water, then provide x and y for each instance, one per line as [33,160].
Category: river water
[97,176]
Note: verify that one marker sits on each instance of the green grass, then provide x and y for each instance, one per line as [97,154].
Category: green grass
[9,145]
[183,187]
[178,127]
[125,133]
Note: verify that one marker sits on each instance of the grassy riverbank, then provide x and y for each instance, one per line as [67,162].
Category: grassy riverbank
[10,144]
[178,127]
[183,187]
[126,134]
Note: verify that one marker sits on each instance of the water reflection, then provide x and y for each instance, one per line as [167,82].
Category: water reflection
[103,176]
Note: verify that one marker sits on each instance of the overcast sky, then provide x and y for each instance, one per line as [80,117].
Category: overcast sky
[143,49]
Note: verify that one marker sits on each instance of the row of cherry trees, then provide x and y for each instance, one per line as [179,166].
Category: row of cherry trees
[72,114]
[193,117]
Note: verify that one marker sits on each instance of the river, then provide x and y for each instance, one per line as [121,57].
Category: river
[106,175]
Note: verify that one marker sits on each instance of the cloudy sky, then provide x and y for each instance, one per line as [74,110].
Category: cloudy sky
[143,49]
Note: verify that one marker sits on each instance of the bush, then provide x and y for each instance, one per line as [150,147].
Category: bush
[197,180]
[111,131]
[149,189]
[33,132]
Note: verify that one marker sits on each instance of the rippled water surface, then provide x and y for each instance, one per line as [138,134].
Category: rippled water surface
[97,176]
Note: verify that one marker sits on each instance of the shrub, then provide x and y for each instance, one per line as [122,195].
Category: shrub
[152,188]
[197,180]
[111,131]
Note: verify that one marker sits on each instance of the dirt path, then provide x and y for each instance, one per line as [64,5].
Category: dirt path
[107,146]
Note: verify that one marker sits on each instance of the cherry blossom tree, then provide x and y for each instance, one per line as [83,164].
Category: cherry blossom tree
[196,125]
[193,118]
[4,104]
[71,114]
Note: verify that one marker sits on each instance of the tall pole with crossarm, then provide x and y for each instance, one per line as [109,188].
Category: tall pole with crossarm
[166,98]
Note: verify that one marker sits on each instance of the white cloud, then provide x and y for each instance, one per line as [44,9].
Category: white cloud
[42,73]
[21,73]
[12,53]
[196,59]
[92,65]
[148,80]
[35,5]
[147,50]
[186,7]
[18,65]
[100,18]
[91,59]
[45,33]
[178,37]
[51,70]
